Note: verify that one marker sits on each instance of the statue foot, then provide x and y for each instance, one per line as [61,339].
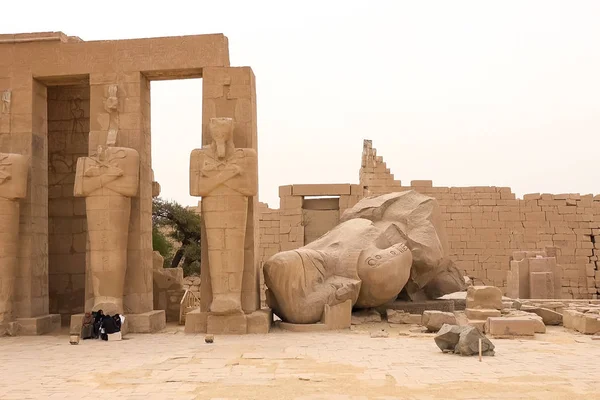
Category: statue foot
[226,304]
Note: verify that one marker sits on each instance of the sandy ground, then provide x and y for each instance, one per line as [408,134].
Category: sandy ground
[344,365]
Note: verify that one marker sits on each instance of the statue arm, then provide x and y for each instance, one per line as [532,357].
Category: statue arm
[200,183]
[248,182]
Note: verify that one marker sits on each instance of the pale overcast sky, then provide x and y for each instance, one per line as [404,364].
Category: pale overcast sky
[503,93]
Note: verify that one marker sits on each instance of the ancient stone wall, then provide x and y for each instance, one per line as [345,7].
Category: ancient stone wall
[484,225]
[68,129]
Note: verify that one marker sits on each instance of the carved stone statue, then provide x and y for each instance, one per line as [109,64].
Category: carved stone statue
[108,179]
[225,177]
[383,245]
[13,186]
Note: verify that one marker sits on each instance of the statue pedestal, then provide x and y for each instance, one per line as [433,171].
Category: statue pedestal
[38,325]
[237,324]
[149,322]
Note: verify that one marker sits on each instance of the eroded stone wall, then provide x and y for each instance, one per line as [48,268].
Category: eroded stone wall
[68,129]
[484,224]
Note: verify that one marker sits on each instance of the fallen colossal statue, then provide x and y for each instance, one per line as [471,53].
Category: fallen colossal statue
[383,246]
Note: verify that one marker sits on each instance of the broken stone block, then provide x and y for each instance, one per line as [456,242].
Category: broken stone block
[514,326]
[379,334]
[539,326]
[74,339]
[365,316]
[468,343]
[481,313]
[447,337]
[463,340]
[487,297]
[400,317]
[209,338]
[433,320]
[548,316]
[590,324]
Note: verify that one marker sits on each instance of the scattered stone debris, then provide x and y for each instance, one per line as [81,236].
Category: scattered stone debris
[380,334]
[401,317]
[433,320]
[549,317]
[463,340]
[209,338]
[365,317]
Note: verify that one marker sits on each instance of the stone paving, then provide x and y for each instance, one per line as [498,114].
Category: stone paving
[300,366]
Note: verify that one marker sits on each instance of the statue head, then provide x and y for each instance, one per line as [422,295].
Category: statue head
[221,131]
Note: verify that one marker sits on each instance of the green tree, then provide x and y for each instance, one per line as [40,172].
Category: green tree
[183,228]
[161,244]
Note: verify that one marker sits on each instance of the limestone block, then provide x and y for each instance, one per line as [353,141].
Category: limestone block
[318,327]
[433,320]
[479,324]
[548,316]
[149,322]
[233,324]
[338,316]
[541,285]
[196,321]
[259,321]
[516,326]
[39,325]
[401,317]
[13,176]
[486,297]
[481,314]
[365,317]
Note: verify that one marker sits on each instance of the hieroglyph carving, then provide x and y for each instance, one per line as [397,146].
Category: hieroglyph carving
[111,106]
[108,179]
[13,186]
[225,178]
[6,100]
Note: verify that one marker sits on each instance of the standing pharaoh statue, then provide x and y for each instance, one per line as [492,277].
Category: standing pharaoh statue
[13,186]
[107,179]
[225,178]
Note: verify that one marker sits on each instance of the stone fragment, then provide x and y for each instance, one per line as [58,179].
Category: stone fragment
[209,338]
[74,339]
[548,316]
[507,327]
[365,317]
[487,297]
[400,317]
[481,313]
[539,326]
[468,343]
[463,340]
[380,334]
[433,320]
[447,337]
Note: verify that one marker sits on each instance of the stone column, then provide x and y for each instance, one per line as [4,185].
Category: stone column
[13,187]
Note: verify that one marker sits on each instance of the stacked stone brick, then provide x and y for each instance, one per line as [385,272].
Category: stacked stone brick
[375,176]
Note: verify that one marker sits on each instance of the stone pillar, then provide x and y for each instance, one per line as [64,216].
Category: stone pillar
[120,116]
[13,187]
[231,92]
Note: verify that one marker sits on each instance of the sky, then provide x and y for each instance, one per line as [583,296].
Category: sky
[464,93]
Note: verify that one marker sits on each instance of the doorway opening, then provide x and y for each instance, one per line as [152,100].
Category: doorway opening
[68,118]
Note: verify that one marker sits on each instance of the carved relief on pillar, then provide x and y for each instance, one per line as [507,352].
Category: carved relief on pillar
[111,105]
[225,177]
[13,186]
[108,179]
[5,100]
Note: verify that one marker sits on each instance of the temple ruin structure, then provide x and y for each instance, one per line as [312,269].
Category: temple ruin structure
[76,213]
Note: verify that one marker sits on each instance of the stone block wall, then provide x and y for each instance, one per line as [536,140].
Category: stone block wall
[68,128]
[486,224]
